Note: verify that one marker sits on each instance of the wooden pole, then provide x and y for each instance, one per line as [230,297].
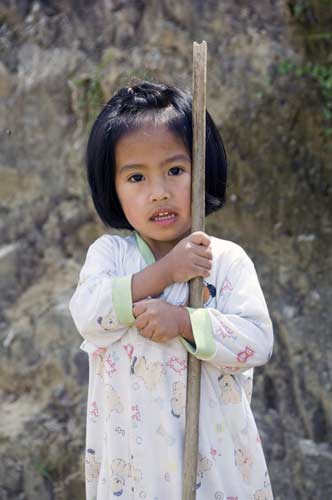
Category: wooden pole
[196,284]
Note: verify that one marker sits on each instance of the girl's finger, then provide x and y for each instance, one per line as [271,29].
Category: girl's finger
[200,238]
[158,338]
[147,332]
[205,263]
[201,271]
[139,308]
[203,251]
[141,322]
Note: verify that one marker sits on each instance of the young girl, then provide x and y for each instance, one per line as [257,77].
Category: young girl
[130,307]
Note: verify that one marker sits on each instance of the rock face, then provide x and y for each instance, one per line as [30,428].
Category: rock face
[60,61]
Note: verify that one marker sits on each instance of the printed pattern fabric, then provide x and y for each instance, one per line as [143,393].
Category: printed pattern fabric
[137,387]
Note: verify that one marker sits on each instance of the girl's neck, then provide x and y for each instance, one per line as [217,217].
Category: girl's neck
[160,248]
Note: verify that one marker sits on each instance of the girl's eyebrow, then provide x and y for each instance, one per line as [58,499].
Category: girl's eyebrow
[167,160]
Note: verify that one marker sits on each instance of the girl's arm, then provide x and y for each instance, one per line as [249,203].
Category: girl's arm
[101,306]
[238,334]
[151,281]
[191,257]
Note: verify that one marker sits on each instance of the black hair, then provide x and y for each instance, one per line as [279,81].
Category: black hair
[131,108]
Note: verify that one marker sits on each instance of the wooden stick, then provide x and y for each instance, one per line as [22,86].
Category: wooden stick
[196,284]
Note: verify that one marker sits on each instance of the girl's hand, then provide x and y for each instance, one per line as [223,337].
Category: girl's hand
[191,257]
[158,320]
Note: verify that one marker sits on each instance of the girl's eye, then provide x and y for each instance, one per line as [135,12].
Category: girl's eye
[175,171]
[135,178]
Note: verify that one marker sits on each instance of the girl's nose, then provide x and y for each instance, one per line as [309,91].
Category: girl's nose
[159,193]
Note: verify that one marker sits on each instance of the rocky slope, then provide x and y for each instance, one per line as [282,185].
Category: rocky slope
[59,61]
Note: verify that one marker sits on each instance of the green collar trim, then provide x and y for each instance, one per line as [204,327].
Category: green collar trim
[144,249]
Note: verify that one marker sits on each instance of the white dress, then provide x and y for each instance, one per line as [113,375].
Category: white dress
[137,387]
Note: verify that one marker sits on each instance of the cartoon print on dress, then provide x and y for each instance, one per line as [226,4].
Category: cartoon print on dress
[203,465]
[225,292]
[107,322]
[129,348]
[120,431]
[106,363]
[264,494]
[100,351]
[167,477]
[244,462]
[226,289]
[231,369]
[243,356]
[113,400]
[170,440]
[100,372]
[223,330]
[208,293]
[98,354]
[230,391]
[247,386]
[92,467]
[172,467]
[94,411]
[177,364]
[151,373]
[178,400]
[135,415]
[226,286]
[214,453]
[122,471]
[219,495]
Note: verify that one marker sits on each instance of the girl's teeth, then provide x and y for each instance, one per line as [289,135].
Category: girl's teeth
[164,217]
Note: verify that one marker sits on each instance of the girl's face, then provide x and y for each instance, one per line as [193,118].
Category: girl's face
[153,183]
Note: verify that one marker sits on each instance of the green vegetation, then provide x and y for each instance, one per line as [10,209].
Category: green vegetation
[322,75]
[312,23]
[42,469]
[313,20]
[89,98]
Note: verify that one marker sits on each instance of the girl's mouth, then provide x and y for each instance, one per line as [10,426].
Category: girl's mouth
[164,218]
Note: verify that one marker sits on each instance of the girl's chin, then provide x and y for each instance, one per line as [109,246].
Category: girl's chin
[165,236]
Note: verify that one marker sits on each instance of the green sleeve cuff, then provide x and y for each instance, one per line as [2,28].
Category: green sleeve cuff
[203,334]
[122,299]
